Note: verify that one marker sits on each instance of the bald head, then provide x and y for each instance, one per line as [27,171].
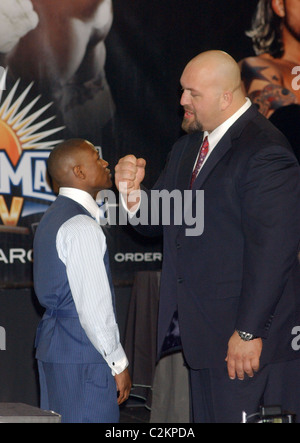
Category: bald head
[219,67]
[212,90]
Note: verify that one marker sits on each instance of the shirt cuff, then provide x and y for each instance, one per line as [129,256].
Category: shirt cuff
[117,361]
[131,213]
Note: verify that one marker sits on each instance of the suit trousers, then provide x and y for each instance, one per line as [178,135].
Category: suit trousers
[217,399]
[80,393]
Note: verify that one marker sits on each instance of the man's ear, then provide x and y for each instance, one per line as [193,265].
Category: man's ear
[226,100]
[278,7]
[79,172]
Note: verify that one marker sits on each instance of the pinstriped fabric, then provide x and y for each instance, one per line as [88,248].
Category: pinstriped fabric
[89,400]
[71,276]
[81,246]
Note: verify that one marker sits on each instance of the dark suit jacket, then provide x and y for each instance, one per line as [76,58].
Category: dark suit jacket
[242,272]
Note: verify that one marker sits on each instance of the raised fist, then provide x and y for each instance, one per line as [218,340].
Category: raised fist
[129,174]
[17,18]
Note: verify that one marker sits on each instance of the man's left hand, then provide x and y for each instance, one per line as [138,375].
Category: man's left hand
[243,357]
[123,382]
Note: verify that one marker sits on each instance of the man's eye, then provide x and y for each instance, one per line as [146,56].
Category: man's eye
[99,150]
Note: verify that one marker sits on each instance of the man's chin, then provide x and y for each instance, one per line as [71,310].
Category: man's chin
[109,184]
[191,127]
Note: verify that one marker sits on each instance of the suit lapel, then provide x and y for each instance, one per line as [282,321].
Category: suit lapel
[190,152]
[224,145]
[186,164]
[217,154]
[189,158]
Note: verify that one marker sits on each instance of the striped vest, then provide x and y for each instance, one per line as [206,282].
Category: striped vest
[60,337]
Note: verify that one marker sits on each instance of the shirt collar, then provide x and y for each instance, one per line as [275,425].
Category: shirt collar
[83,198]
[215,136]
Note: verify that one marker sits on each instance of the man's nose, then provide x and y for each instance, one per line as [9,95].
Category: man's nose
[185,98]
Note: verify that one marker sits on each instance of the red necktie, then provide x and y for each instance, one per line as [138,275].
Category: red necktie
[202,154]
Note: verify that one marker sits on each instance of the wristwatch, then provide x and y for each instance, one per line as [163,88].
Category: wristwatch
[246,336]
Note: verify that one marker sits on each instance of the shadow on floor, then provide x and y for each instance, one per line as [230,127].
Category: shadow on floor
[134,411]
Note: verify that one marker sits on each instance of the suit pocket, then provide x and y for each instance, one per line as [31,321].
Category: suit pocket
[96,376]
[38,334]
[227,289]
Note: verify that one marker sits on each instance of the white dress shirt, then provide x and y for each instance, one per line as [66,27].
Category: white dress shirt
[81,245]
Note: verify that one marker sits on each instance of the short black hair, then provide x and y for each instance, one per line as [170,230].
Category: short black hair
[61,152]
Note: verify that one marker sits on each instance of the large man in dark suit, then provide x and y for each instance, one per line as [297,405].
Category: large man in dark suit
[235,289]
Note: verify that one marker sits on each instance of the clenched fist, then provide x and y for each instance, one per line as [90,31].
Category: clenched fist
[129,174]
[17,18]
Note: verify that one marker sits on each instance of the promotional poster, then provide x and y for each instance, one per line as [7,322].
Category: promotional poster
[109,71]
[106,71]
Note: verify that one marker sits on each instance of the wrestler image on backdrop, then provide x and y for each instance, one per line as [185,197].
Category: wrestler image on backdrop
[268,77]
[60,47]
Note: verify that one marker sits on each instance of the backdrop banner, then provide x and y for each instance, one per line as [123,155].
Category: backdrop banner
[101,71]
[107,71]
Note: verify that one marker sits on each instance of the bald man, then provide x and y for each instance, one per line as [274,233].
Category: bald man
[229,297]
[82,365]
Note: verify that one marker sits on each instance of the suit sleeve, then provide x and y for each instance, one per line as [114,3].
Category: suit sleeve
[270,211]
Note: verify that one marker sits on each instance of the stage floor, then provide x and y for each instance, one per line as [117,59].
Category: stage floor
[134,411]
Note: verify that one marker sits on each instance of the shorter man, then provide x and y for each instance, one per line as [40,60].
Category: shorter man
[82,365]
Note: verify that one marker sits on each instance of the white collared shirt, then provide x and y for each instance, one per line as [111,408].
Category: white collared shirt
[81,245]
[215,136]
[84,199]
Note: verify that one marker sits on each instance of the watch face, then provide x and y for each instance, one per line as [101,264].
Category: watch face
[248,337]
[245,336]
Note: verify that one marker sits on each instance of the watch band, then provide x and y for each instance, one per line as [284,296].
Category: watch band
[246,336]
